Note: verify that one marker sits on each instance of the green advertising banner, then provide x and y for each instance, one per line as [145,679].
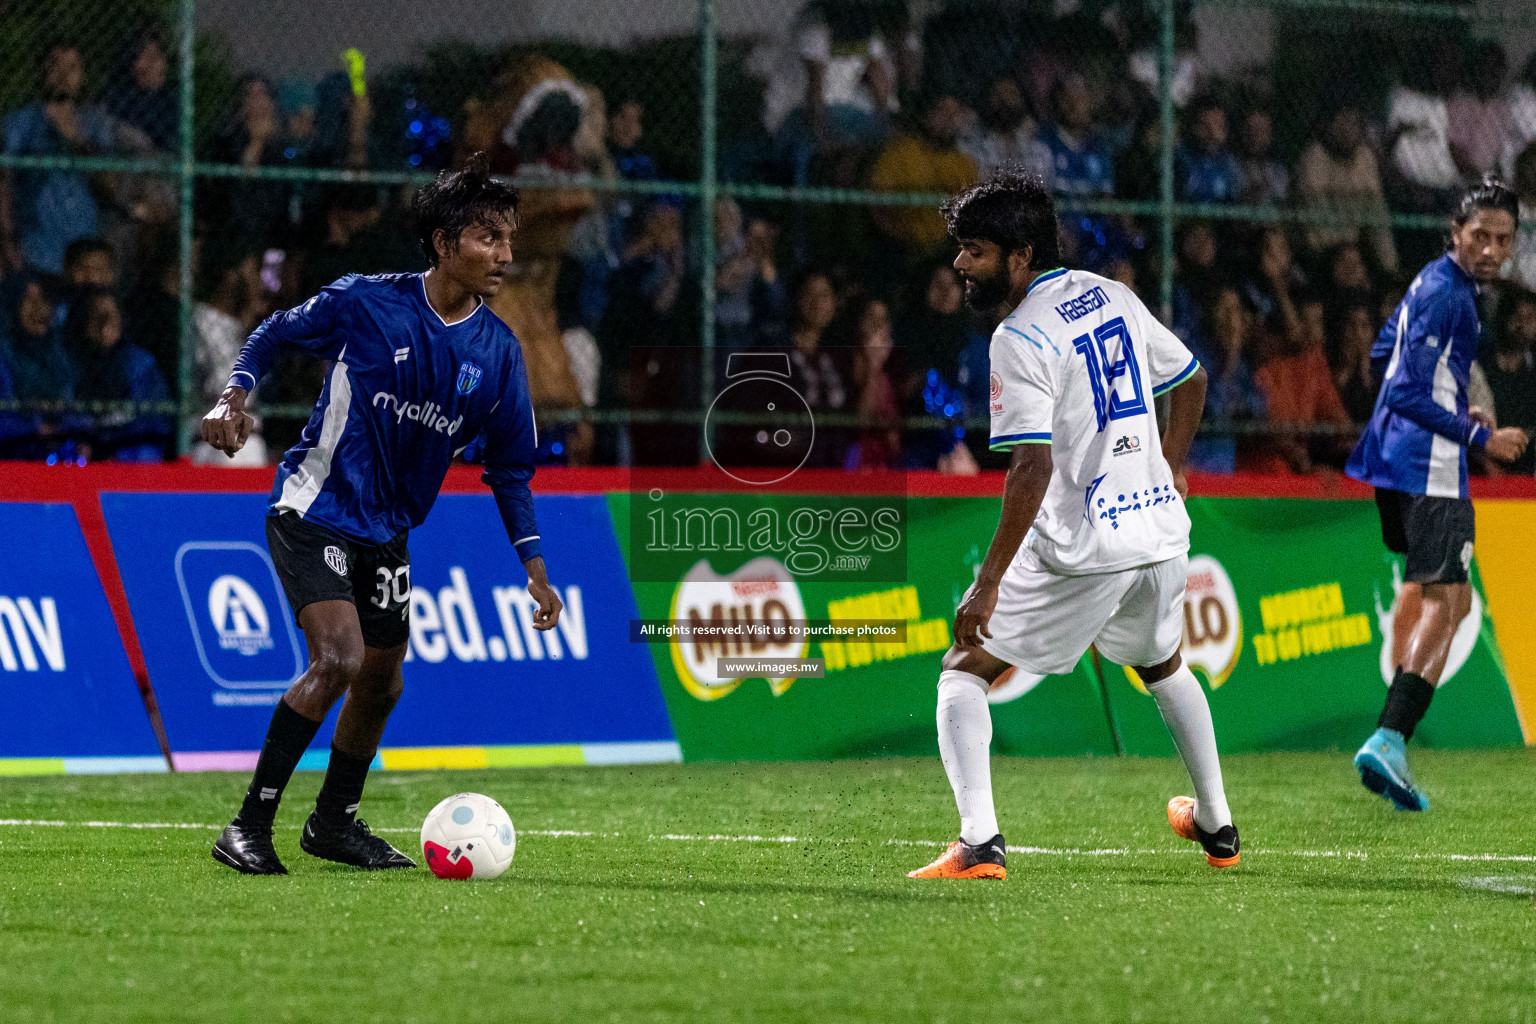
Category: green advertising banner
[1288,621]
[876,698]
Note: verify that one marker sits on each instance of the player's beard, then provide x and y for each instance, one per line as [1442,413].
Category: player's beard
[985,294]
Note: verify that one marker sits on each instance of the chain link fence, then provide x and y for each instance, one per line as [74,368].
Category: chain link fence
[723,175]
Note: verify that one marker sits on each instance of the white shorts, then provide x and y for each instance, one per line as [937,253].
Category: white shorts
[1044,622]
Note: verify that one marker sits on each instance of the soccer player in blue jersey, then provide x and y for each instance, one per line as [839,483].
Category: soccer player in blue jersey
[1414,452]
[419,372]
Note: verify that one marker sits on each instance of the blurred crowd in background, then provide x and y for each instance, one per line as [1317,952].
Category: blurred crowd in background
[1281,311]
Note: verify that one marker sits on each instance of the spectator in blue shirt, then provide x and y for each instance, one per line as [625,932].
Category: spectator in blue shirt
[1084,165]
[41,212]
[1205,170]
[40,367]
[1232,397]
[626,126]
[112,369]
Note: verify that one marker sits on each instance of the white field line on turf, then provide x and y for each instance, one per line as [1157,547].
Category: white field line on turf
[1045,851]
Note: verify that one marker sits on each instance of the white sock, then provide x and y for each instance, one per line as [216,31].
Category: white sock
[1188,718]
[965,741]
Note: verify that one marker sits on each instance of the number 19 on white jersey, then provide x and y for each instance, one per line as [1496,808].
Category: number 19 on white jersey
[1077,366]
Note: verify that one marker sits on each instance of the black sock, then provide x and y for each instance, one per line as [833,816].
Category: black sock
[287,737]
[343,787]
[1407,700]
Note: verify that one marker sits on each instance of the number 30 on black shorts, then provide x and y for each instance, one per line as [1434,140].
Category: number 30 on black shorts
[317,564]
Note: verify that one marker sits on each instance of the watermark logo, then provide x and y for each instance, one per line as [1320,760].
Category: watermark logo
[832,538]
[757,430]
[762,592]
[780,429]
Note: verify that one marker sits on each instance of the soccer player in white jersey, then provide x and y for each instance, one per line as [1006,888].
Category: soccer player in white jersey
[1092,546]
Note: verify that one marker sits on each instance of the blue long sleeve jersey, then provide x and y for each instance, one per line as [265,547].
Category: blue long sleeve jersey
[1418,435]
[405,392]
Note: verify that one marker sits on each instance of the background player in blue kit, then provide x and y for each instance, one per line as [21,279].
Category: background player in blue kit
[1415,454]
[419,371]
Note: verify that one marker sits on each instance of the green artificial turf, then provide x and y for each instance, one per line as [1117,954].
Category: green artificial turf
[1342,910]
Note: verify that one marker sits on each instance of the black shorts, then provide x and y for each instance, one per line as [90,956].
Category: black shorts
[317,564]
[1435,533]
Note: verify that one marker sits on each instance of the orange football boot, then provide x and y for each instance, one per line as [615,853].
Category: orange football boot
[962,860]
[1221,847]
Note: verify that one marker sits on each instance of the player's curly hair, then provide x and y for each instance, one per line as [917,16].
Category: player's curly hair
[458,200]
[1013,209]
[1489,194]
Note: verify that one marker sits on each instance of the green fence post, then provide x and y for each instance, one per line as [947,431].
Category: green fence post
[186,353]
[708,115]
[1165,66]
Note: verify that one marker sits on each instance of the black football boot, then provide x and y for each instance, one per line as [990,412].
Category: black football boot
[352,843]
[248,849]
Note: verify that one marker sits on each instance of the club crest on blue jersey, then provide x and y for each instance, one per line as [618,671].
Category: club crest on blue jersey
[469,378]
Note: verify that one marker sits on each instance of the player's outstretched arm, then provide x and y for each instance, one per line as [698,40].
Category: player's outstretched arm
[316,327]
[511,440]
[1186,404]
[1029,474]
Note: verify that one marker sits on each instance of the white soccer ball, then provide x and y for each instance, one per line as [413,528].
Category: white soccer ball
[468,835]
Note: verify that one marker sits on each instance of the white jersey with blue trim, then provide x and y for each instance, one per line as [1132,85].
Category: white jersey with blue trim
[1077,366]
[405,391]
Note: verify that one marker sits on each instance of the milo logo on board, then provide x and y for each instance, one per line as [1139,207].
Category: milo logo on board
[748,603]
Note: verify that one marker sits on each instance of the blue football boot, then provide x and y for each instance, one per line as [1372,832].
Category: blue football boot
[1383,765]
